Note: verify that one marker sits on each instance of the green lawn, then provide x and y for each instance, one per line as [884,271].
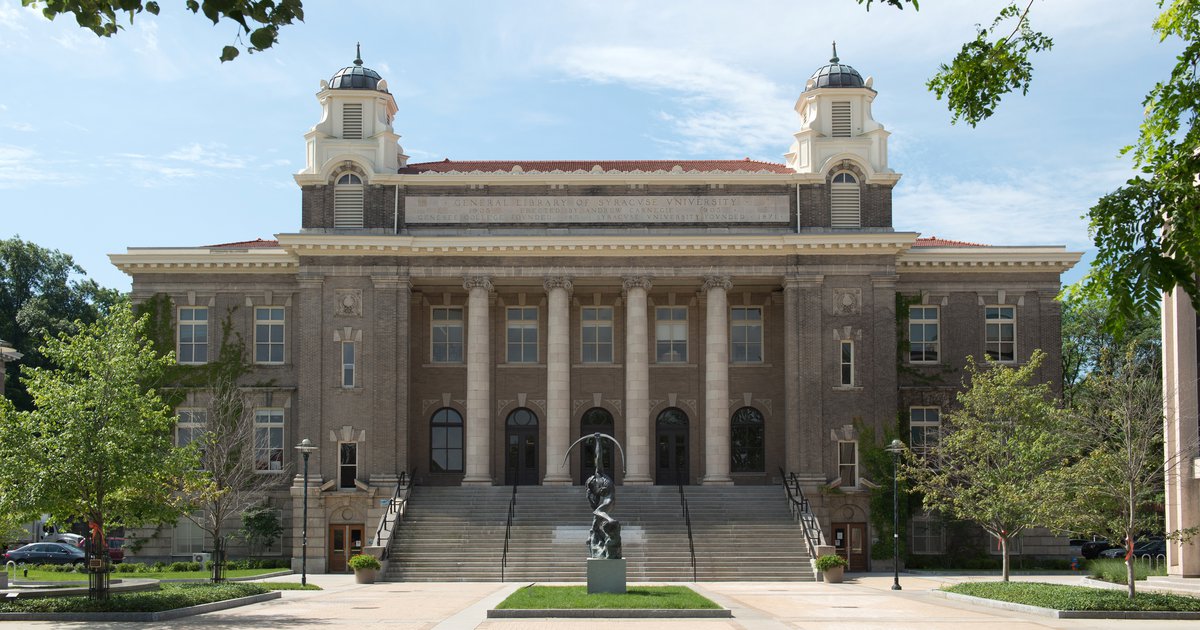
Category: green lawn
[289,586]
[56,576]
[170,597]
[1063,597]
[545,597]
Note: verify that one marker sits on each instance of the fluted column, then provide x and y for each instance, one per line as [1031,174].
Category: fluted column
[716,382]
[637,381]
[479,382]
[558,379]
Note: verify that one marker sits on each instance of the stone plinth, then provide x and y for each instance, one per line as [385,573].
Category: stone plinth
[605,576]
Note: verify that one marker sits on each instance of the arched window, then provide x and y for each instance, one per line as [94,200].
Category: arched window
[446,441]
[522,417]
[348,202]
[747,441]
[845,205]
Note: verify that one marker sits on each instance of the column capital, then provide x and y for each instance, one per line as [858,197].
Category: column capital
[472,282]
[310,280]
[558,282]
[883,280]
[637,282]
[391,281]
[717,282]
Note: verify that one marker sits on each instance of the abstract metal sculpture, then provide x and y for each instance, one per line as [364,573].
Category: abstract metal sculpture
[604,539]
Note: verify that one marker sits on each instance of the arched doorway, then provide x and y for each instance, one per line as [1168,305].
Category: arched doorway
[595,420]
[671,438]
[521,448]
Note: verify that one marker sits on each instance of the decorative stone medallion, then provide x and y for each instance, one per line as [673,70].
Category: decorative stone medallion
[847,301]
[349,302]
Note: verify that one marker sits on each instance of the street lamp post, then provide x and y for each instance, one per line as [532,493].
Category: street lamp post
[306,448]
[895,448]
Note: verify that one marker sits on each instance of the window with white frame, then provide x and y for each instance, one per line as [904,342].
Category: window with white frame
[446,441]
[348,195]
[187,538]
[923,339]
[846,363]
[924,425]
[671,334]
[446,339]
[268,334]
[596,334]
[347,464]
[348,364]
[193,335]
[848,464]
[845,205]
[268,440]
[928,534]
[523,334]
[745,334]
[1000,324]
[189,425]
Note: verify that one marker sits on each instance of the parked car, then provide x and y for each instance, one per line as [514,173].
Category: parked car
[46,553]
[1093,548]
[1152,547]
[116,550]
[67,538]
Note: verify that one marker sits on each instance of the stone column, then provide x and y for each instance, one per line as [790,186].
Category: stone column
[386,375]
[791,374]
[880,364]
[637,381]
[308,421]
[479,383]
[812,385]
[558,379]
[1182,405]
[716,382]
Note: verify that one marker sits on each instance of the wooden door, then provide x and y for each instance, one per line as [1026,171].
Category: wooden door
[344,541]
[850,541]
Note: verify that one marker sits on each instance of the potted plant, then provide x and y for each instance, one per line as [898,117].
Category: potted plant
[832,566]
[366,568]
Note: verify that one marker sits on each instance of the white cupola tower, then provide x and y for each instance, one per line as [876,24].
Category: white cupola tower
[836,123]
[356,125]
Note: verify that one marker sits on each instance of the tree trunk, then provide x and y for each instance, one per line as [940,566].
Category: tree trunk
[1129,560]
[1004,553]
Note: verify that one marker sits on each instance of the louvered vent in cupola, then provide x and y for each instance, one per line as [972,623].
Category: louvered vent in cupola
[348,202]
[352,121]
[845,207]
[841,119]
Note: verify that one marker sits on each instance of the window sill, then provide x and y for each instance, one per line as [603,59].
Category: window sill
[673,365]
[270,365]
[590,366]
[750,364]
[847,388]
[460,364]
[520,365]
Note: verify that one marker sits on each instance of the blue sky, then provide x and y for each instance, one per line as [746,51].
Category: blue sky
[146,139]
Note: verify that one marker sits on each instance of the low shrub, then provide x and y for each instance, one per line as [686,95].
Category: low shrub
[1114,570]
[364,561]
[1065,597]
[170,596]
[827,562]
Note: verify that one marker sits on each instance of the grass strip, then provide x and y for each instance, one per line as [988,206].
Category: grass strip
[662,597]
[1113,569]
[1066,597]
[170,597]
[70,576]
[289,586]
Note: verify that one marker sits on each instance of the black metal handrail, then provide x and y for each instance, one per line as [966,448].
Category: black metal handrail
[687,518]
[802,511]
[395,509]
[512,511]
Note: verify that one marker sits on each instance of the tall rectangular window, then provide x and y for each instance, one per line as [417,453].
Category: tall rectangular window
[923,339]
[924,424]
[193,334]
[523,334]
[846,363]
[848,464]
[596,334]
[928,534]
[1000,324]
[268,334]
[347,464]
[268,440]
[189,425]
[745,334]
[348,364]
[186,538]
[671,334]
[446,339]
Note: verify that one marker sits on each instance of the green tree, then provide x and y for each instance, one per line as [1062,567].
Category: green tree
[97,447]
[1087,345]
[260,527]
[1001,454]
[260,19]
[42,293]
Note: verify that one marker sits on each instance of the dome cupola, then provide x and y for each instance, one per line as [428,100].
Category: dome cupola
[835,75]
[355,77]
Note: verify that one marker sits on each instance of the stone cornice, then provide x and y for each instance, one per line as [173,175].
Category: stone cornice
[986,259]
[205,260]
[585,177]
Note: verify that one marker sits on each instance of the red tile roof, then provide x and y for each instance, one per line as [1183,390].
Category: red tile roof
[492,166]
[933,241]
[258,242]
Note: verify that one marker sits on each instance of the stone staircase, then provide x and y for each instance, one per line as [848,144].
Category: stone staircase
[457,534]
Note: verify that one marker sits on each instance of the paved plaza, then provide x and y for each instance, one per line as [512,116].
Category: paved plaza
[864,601]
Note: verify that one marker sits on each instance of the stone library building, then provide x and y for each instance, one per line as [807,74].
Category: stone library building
[443,331]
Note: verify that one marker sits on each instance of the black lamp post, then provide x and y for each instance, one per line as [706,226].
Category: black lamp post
[895,448]
[306,448]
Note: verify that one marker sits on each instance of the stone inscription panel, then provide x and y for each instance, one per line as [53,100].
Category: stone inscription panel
[584,209]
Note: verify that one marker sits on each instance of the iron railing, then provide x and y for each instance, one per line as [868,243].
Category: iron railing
[802,512]
[687,518]
[512,511]
[395,511]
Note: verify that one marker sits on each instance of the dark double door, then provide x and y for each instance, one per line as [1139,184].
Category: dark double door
[521,456]
[671,448]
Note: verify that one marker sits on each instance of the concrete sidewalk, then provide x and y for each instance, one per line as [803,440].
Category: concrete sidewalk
[863,601]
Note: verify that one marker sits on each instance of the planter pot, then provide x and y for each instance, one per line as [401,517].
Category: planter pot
[365,576]
[834,575]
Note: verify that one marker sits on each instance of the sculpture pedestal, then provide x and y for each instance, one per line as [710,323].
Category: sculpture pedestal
[605,576]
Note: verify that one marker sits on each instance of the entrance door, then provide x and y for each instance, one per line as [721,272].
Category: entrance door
[850,541]
[671,439]
[595,420]
[344,541]
[521,449]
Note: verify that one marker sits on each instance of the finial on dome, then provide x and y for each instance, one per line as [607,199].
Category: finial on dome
[834,58]
[358,53]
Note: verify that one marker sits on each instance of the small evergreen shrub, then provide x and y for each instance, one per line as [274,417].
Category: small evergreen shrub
[364,561]
[830,561]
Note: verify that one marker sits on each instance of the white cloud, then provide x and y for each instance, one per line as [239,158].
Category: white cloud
[211,156]
[21,167]
[21,126]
